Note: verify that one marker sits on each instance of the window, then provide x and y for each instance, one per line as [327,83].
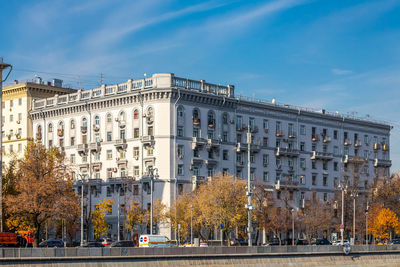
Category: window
[180,112]
[84,122]
[180,151]
[239,157]
[210,134]
[19,147]
[11,103]
[97,156]
[179,131]
[109,154]
[150,130]
[123,172]
[20,101]
[136,171]
[325,196]
[122,116]
[136,152]
[278,176]
[252,158]
[325,148]
[225,137]
[335,166]
[210,172]
[278,126]
[335,134]
[302,146]
[180,189]
[135,189]
[278,163]
[195,153]
[366,139]
[302,179]
[325,165]
[11,148]
[291,129]
[302,163]
[313,147]
[180,169]
[314,179]
[122,134]
[313,165]
[50,128]
[196,132]
[265,177]
[97,120]
[50,143]
[225,118]
[265,160]
[251,123]
[325,181]
[136,133]
[72,124]
[302,129]
[196,171]
[335,150]
[225,171]
[265,125]
[346,150]
[366,154]
[239,173]
[135,114]
[290,163]
[150,151]
[109,136]
[109,118]
[20,116]
[225,155]
[265,141]
[239,122]
[84,139]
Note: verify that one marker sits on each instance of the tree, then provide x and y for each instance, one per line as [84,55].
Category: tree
[44,190]
[180,214]
[9,184]
[136,217]
[383,222]
[100,226]
[264,207]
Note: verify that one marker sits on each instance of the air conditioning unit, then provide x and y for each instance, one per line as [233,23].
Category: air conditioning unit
[114,169]
[117,159]
[278,185]
[18,121]
[136,157]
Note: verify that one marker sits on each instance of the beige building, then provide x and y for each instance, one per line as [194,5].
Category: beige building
[17,100]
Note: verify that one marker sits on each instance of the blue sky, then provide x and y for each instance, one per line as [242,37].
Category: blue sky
[339,55]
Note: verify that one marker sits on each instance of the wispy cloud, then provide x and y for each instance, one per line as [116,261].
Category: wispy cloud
[341,71]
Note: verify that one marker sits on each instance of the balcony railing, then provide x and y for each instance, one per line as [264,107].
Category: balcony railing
[213,143]
[286,152]
[357,143]
[347,142]
[382,163]
[82,149]
[120,144]
[321,156]
[148,140]
[327,139]
[198,142]
[196,121]
[377,146]
[315,137]
[385,147]
[60,132]
[280,133]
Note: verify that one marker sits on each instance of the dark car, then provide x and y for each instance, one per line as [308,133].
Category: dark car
[301,242]
[121,244]
[321,242]
[52,244]
[274,242]
[94,245]
[395,241]
[239,242]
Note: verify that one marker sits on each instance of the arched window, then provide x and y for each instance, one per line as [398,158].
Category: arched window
[109,118]
[136,114]
[84,122]
[39,129]
[50,128]
[97,120]
[225,118]
[196,114]
[150,112]
[122,116]
[61,125]
[180,112]
[72,124]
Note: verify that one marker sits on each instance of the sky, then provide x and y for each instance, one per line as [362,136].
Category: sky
[338,55]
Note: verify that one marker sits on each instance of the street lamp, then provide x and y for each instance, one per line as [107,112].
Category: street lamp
[354,194]
[191,225]
[82,180]
[248,206]
[153,174]
[366,224]
[3,66]
[342,186]
[292,227]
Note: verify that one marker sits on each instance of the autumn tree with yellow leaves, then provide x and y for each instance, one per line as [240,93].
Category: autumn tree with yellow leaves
[100,225]
[44,191]
[383,222]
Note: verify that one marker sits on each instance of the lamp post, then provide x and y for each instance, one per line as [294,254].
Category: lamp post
[191,225]
[153,174]
[82,188]
[248,206]
[118,214]
[292,227]
[366,224]
[354,194]
[343,187]
[3,66]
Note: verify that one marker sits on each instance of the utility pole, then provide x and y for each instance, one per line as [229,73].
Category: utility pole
[343,187]
[119,194]
[354,194]
[292,227]
[3,66]
[152,177]
[82,188]
[366,224]
[248,206]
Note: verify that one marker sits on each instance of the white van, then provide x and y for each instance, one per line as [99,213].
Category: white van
[155,241]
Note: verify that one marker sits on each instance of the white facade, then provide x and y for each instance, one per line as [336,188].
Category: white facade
[190,130]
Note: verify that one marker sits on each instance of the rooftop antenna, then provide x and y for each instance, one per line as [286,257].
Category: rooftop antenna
[101,78]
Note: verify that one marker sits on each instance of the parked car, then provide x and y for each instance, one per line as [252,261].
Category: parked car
[93,245]
[122,244]
[320,242]
[274,242]
[155,241]
[52,244]
[395,241]
[239,242]
[301,242]
[339,243]
[203,244]
[107,242]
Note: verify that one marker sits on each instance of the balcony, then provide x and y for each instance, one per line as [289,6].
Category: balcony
[292,135]
[315,137]
[149,160]
[121,124]
[385,147]
[289,184]
[120,144]
[196,161]
[60,132]
[196,180]
[96,127]
[211,162]
[96,166]
[327,139]
[39,136]
[148,140]
[94,147]
[198,142]
[241,127]
[196,121]
[254,129]
[347,142]
[377,146]
[121,161]
[84,129]
[213,144]
[286,152]
[82,149]
[355,160]
[382,163]
[243,147]
[321,156]
[280,133]
[357,143]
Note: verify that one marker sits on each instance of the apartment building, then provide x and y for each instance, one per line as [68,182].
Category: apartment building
[190,130]
[17,125]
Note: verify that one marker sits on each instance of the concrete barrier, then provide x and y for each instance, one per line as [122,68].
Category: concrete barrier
[8,253]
